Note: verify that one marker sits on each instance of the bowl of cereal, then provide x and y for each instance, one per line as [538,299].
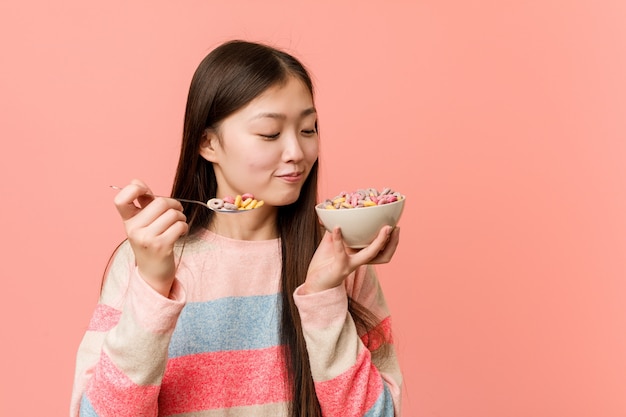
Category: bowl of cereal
[361,214]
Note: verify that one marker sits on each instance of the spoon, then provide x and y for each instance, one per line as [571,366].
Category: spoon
[212,204]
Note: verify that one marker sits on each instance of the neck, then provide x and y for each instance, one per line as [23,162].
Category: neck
[257,224]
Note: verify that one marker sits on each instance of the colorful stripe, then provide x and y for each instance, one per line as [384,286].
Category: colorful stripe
[362,384]
[222,380]
[86,409]
[383,406]
[214,350]
[112,394]
[104,318]
[378,335]
[257,410]
[226,324]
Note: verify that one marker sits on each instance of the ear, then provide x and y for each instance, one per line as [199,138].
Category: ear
[208,145]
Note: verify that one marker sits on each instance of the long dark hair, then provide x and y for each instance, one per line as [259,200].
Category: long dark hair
[226,80]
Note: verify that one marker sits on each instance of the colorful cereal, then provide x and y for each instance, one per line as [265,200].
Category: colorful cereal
[362,198]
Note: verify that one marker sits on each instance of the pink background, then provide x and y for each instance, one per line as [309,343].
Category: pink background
[503,121]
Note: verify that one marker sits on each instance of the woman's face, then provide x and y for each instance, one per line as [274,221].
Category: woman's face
[268,147]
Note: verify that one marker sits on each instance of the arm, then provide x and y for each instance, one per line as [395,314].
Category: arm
[122,356]
[349,379]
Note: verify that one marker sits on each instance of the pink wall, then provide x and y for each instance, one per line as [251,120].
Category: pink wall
[503,121]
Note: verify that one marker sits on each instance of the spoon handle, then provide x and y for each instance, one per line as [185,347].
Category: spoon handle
[202,203]
[182,200]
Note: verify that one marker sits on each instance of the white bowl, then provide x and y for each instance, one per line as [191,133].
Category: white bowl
[360,226]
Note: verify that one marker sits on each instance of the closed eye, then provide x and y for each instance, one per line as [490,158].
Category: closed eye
[272,136]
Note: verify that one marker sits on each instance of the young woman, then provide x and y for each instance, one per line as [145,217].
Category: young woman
[253,314]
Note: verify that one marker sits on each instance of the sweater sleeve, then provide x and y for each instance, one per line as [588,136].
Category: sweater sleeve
[350,381]
[122,356]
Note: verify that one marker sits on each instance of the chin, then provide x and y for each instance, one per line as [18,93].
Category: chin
[282,201]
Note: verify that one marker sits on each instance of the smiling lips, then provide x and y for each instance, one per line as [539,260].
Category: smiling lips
[291,177]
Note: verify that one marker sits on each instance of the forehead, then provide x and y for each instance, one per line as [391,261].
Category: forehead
[292,96]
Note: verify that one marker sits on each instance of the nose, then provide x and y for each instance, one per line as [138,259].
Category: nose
[292,151]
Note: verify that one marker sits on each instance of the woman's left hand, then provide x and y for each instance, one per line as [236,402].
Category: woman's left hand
[333,261]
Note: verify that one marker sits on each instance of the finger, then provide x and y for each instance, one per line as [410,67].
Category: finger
[337,239]
[162,223]
[392,243]
[160,205]
[150,214]
[368,253]
[175,231]
[125,200]
[326,244]
[136,181]
[145,198]
[163,241]
[390,248]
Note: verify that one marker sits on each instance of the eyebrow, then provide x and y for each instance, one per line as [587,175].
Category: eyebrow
[304,113]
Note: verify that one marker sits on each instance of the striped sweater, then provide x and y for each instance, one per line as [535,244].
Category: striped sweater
[212,348]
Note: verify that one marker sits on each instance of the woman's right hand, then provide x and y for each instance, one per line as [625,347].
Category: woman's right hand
[153,225]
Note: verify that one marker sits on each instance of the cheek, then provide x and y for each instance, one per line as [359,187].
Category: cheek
[259,161]
[311,151]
